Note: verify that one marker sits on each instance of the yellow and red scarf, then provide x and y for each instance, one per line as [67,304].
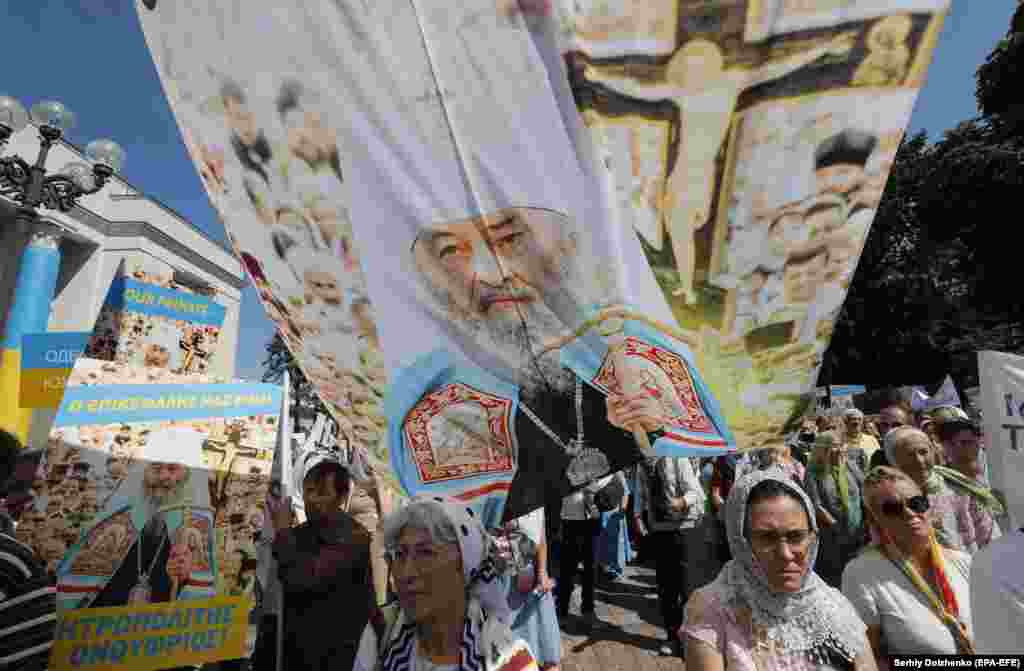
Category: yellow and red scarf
[944,604]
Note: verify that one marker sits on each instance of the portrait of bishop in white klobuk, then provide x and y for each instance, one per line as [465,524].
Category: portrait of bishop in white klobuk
[555,389]
[153,540]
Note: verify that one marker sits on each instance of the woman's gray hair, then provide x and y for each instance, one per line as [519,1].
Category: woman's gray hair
[423,515]
[895,438]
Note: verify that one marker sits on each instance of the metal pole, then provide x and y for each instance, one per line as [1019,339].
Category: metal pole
[284,444]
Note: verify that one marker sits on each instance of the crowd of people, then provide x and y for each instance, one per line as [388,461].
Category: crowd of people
[860,539]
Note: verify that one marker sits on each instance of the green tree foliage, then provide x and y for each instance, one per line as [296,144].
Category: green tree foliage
[999,92]
[939,274]
[279,360]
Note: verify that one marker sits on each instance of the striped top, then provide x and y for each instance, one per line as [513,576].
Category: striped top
[28,604]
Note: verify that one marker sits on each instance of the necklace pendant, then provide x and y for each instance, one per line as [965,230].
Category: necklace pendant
[142,593]
[587,466]
[575,447]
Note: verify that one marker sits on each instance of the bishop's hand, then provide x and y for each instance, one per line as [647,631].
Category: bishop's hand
[179,563]
[632,412]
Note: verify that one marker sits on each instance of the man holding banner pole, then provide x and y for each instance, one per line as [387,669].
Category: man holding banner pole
[324,568]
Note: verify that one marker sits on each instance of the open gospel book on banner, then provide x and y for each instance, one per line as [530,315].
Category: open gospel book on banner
[145,507]
[519,245]
[1001,378]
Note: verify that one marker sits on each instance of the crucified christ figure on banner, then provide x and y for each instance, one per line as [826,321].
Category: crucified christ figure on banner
[705,93]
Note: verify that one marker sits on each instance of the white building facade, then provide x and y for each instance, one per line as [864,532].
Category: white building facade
[115,230]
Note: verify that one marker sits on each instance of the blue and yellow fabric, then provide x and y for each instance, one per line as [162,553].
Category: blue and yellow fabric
[29,313]
[46,363]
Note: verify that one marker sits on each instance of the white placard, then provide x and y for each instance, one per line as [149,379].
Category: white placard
[1002,407]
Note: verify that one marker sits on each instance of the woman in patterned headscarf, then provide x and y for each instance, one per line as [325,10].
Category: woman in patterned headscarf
[454,613]
[768,609]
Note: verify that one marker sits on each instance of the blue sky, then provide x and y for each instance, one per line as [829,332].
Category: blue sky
[91,55]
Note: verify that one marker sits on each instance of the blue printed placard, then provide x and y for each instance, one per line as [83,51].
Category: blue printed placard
[149,299]
[52,350]
[130,403]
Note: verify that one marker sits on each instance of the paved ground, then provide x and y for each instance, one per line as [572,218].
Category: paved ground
[631,644]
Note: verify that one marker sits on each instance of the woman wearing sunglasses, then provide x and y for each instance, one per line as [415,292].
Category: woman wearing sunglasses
[912,593]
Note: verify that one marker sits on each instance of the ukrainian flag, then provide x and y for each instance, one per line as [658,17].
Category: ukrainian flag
[46,363]
[30,313]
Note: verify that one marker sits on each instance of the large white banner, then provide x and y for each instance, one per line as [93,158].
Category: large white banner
[519,244]
[1002,408]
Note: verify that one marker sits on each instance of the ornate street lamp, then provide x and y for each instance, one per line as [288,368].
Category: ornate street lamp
[39,260]
[29,185]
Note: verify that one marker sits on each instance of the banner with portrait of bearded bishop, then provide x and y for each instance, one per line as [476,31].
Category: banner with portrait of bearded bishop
[445,247]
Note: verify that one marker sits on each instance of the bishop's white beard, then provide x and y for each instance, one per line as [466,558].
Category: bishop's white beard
[515,344]
[518,342]
[156,498]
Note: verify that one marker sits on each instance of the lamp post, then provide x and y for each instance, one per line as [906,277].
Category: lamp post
[31,189]
[29,185]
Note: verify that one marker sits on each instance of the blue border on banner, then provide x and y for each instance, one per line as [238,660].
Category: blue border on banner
[129,403]
[149,299]
[847,389]
[52,350]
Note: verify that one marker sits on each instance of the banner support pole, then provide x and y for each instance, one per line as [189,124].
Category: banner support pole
[284,431]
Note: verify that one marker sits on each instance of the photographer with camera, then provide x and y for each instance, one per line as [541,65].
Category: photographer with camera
[671,494]
[801,445]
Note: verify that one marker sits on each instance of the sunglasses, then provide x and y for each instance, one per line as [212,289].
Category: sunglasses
[917,504]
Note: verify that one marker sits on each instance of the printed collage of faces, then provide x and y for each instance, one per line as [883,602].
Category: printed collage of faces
[803,197]
[91,479]
[153,341]
[750,148]
[272,167]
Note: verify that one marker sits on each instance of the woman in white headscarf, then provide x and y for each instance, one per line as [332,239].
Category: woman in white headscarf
[453,609]
[767,609]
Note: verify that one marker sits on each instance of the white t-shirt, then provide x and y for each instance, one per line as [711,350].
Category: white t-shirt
[997,596]
[885,597]
[532,524]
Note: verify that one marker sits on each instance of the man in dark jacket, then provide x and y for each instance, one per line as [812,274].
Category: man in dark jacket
[324,566]
[28,598]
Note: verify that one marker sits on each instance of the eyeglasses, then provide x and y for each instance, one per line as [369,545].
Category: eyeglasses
[769,541]
[417,555]
[917,504]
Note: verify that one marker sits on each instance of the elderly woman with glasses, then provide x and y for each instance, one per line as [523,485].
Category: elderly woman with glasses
[835,486]
[911,592]
[768,609]
[960,519]
[453,612]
